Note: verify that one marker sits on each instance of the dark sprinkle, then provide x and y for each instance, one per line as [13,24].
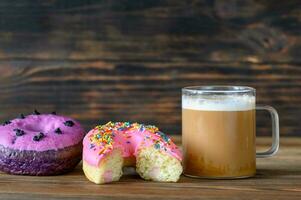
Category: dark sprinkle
[58,131]
[6,123]
[92,146]
[38,137]
[141,128]
[157,146]
[14,140]
[19,132]
[22,116]
[54,113]
[36,112]
[69,123]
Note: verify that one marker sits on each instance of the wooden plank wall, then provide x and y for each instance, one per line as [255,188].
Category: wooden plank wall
[128,59]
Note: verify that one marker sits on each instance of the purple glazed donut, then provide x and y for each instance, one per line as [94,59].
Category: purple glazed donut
[40,144]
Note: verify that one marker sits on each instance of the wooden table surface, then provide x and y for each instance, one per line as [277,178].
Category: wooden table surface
[278,177]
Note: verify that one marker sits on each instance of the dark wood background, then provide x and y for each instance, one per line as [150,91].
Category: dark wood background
[127,60]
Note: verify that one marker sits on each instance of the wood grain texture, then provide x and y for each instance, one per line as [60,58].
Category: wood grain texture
[278,177]
[127,60]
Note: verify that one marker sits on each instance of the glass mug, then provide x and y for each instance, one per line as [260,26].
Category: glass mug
[218,131]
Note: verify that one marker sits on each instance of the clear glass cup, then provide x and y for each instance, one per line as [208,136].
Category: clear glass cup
[219,131]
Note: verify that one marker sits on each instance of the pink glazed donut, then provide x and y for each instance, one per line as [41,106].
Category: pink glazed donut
[107,148]
[40,144]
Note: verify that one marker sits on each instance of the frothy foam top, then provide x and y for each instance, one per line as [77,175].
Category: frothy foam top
[220,103]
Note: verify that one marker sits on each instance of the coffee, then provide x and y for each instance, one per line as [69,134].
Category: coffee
[219,136]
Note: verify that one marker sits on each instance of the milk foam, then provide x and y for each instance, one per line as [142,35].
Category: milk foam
[221,103]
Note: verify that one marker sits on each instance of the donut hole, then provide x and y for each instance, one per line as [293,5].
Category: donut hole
[37,128]
[33,128]
[36,125]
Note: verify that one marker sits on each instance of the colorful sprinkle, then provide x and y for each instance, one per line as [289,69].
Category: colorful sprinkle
[141,128]
[103,135]
[164,137]
[157,145]
[101,151]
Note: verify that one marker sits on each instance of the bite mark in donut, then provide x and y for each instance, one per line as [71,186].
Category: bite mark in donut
[111,146]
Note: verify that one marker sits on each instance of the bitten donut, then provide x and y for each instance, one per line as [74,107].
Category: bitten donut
[40,144]
[107,148]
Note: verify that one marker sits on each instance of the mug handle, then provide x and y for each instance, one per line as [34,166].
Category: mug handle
[275,131]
